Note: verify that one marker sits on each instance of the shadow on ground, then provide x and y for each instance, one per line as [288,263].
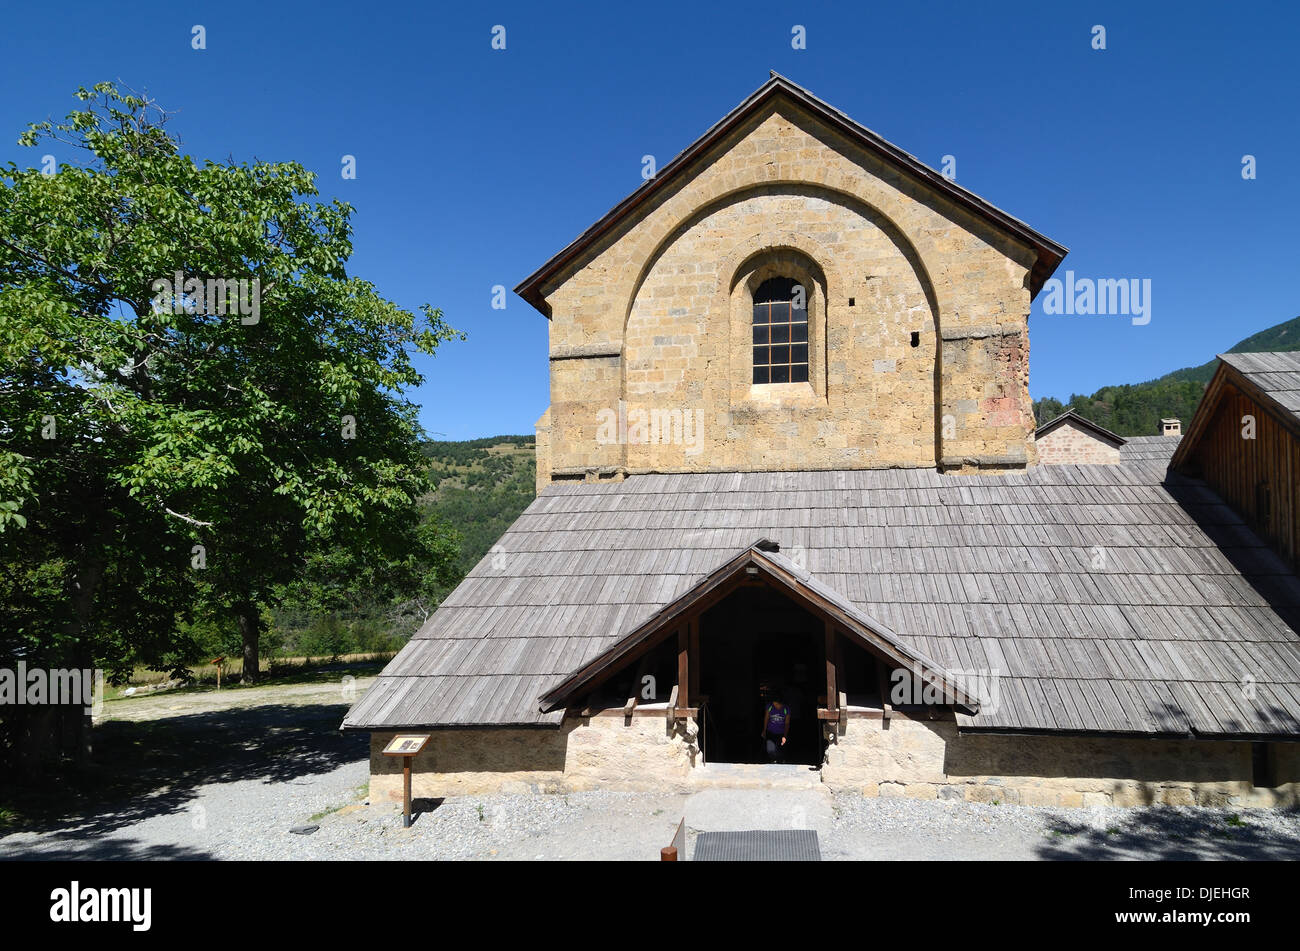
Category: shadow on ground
[117,850]
[1166,834]
[154,767]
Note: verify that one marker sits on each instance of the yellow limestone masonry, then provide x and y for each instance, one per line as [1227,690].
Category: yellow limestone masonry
[655,319]
[918,758]
[927,759]
[598,752]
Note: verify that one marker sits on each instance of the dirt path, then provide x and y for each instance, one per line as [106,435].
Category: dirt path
[345,689]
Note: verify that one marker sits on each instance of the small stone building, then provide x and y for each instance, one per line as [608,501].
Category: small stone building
[1072,440]
[790,448]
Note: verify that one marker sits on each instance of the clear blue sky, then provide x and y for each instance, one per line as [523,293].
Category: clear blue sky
[475,165]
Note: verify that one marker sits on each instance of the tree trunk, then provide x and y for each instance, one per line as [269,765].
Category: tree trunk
[250,632]
[72,722]
[36,729]
[82,721]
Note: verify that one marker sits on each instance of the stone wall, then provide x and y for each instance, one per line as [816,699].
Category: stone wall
[926,759]
[917,758]
[542,434]
[655,318]
[603,751]
[1071,445]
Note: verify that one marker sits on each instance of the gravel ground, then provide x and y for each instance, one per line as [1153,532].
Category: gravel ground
[227,776]
[914,829]
[250,819]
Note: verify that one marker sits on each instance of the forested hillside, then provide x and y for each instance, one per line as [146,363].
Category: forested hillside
[480,487]
[1135,409]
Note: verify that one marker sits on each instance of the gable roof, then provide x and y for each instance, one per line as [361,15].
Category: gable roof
[1149,449]
[1082,422]
[999,573]
[1276,375]
[1049,253]
[1272,380]
[764,558]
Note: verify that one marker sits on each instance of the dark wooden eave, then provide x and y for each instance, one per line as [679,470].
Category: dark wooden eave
[777,570]
[1227,375]
[1049,253]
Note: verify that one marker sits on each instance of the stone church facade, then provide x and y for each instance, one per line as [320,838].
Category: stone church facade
[789,400]
[918,302]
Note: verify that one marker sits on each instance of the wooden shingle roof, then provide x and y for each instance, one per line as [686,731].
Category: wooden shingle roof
[1148,449]
[1109,599]
[1276,375]
[765,558]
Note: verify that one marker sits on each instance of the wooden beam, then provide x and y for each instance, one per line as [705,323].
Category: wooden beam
[672,704]
[832,694]
[630,648]
[883,680]
[630,707]
[682,712]
[841,681]
[693,632]
[684,665]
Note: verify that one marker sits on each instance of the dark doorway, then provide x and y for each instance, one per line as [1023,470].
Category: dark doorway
[755,638]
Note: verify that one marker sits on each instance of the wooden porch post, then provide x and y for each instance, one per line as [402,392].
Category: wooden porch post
[684,695]
[693,646]
[883,680]
[832,693]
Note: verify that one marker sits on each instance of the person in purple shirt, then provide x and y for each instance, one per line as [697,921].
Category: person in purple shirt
[776,728]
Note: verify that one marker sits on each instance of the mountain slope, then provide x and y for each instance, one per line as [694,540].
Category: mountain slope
[481,487]
[1135,409]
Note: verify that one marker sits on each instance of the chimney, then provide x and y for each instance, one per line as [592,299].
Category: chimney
[1171,427]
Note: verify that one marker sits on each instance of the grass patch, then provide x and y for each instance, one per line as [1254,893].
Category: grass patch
[357,793]
[296,672]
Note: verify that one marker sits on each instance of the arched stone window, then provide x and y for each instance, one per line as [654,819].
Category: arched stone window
[780,331]
[777,348]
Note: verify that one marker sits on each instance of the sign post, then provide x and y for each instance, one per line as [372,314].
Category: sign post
[407,745]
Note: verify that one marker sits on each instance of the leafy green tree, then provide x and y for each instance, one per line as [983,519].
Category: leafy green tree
[195,394]
[396,581]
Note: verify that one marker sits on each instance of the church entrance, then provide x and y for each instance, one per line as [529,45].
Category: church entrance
[757,645]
